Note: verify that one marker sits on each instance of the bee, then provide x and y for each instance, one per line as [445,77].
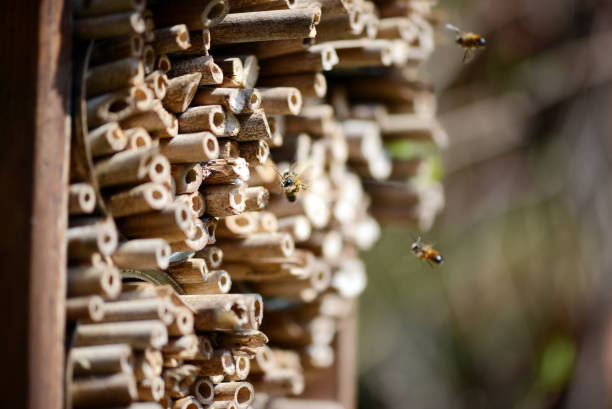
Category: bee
[426,252]
[469,41]
[293,181]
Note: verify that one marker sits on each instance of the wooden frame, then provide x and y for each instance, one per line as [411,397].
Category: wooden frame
[34,99]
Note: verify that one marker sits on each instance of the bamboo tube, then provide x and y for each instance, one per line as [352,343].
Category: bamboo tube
[254,127]
[89,308]
[195,201]
[106,139]
[156,118]
[81,199]
[181,91]
[253,303]
[243,366]
[397,28]
[196,14]
[250,67]
[263,361]
[97,279]
[267,25]
[151,389]
[203,390]
[83,8]
[327,244]
[148,59]
[321,59]
[320,330]
[413,127]
[233,72]
[356,54]
[109,25]
[242,393]
[258,246]
[179,379]
[231,125]
[223,404]
[235,340]
[281,100]
[138,138]
[221,362]
[131,167]
[316,120]
[216,282]
[183,347]
[223,171]
[267,222]
[92,237]
[171,223]
[103,359]
[188,402]
[191,147]
[109,108]
[187,177]
[254,5]
[212,255]
[163,64]
[255,152]
[311,85]
[136,310]
[211,73]
[298,226]
[171,39]
[217,312]
[193,270]
[114,76]
[103,391]
[256,198]
[329,8]
[140,199]
[210,225]
[228,149]
[139,334]
[274,48]
[206,350]
[200,43]
[116,49]
[157,81]
[202,118]
[240,225]
[224,200]
[148,363]
[344,26]
[183,323]
[236,100]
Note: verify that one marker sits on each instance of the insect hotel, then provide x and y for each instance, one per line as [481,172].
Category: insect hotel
[160,263]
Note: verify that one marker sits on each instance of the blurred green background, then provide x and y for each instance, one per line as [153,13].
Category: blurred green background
[518,316]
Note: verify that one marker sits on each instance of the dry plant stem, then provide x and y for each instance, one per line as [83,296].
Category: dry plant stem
[274,48]
[255,153]
[203,390]
[233,72]
[202,118]
[281,100]
[221,362]
[253,304]
[106,139]
[211,73]
[323,59]
[187,177]
[114,76]
[236,100]
[104,391]
[210,224]
[254,127]
[216,282]
[266,25]
[311,85]
[223,200]
[96,236]
[140,199]
[84,8]
[148,363]
[242,393]
[222,171]
[157,81]
[190,147]
[188,402]
[131,167]
[109,25]
[171,39]
[137,310]
[195,14]
[190,271]
[110,108]
[138,138]
[155,119]
[81,199]
[103,359]
[98,279]
[89,308]
[243,366]
[236,340]
[217,312]
[117,48]
[256,198]
[364,54]
[139,334]
[266,221]
[316,120]
[142,254]
[228,149]
[181,91]
[212,255]
[329,8]
[298,226]
[172,223]
[183,347]
[200,43]
[151,389]
[253,5]
[240,225]
[223,404]
[396,28]
[183,323]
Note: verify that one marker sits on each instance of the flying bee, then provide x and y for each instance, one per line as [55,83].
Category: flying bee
[426,252]
[293,181]
[469,41]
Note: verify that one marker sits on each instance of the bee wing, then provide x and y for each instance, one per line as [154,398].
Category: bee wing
[305,175]
[453,28]
[468,55]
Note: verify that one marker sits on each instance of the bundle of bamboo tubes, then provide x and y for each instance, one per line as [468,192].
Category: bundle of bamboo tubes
[189,110]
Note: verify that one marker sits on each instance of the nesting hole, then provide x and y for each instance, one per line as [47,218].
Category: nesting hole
[157,195]
[183,215]
[254,99]
[218,118]
[242,364]
[210,144]
[191,176]
[159,168]
[243,394]
[107,238]
[118,106]
[216,11]
[205,390]
[238,310]
[242,221]
[227,360]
